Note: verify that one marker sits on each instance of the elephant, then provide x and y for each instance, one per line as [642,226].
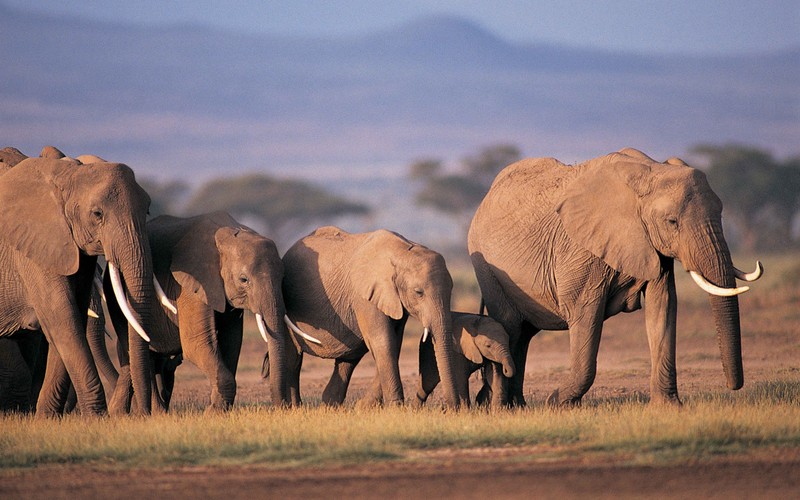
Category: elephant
[212,268]
[564,247]
[58,216]
[483,344]
[349,293]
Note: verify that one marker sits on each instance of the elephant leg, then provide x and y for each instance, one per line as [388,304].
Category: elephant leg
[485,393]
[165,371]
[200,345]
[293,380]
[428,372]
[71,404]
[16,378]
[229,337]
[374,396]
[520,335]
[120,403]
[383,340]
[661,309]
[584,341]
[55,387]
[336,389]
[63,320]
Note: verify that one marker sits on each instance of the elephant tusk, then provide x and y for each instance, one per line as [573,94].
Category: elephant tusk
[300,332]
[262,328]
[750,276]
[714,289]
[123,302]
[93,314]
[163,297]
[425,334]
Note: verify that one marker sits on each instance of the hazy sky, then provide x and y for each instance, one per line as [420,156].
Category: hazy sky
[674,26]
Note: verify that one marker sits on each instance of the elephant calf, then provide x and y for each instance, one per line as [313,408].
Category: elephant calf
[483,344]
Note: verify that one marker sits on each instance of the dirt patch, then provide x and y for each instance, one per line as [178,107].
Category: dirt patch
[478,477]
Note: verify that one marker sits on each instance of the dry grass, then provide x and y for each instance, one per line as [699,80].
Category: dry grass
[765,416]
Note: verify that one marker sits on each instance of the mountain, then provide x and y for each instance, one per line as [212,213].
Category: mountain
[190,102]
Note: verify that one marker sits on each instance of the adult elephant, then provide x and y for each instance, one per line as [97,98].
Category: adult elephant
[212,268]
[565,247]
[354,293]
[58,216]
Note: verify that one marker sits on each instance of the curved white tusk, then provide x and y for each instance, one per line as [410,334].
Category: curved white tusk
[262,328]
[750,276]
[300,332]
[163,297]
[425,333]
[93,314]
[714,289]
[123,302]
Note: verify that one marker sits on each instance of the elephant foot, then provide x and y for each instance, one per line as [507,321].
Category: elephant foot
[216,409]
[672,400]
[419,400]
[368,403]
[517,401]
[553,400]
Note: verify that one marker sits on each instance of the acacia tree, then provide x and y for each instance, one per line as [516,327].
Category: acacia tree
[761,194]
[460,193]
[282,206]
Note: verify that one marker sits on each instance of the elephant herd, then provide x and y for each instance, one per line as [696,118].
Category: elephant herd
[554,247]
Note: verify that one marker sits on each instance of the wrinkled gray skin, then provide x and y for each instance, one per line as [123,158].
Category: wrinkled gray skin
[212,268]
[558,247]
[483,344]
[58,216]
[354,293]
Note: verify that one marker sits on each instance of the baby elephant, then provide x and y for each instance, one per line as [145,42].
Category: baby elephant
[483,343]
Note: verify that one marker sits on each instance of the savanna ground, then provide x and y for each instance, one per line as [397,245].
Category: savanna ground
[720,444]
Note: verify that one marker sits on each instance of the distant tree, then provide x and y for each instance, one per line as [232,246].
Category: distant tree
[165,197]
[761,194]
[460,193]
[425,168]
[281,205]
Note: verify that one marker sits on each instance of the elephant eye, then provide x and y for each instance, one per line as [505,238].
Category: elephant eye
[672,221]
[419,291]
[243,279]
[97,214]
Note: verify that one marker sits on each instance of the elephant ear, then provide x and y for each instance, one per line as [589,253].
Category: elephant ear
[196,264]
[600,212]
[372,275]
[470,348]
[32,217]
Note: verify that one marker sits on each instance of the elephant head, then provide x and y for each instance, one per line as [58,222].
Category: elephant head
[482,339]
[399,277]
[659,211]
[55,212]
[224,262]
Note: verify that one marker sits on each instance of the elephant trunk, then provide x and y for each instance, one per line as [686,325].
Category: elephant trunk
[717,268]
[278,344]
[136,265]
[443,343]
[507,361]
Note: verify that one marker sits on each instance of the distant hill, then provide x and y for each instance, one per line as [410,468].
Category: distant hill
[186,101]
